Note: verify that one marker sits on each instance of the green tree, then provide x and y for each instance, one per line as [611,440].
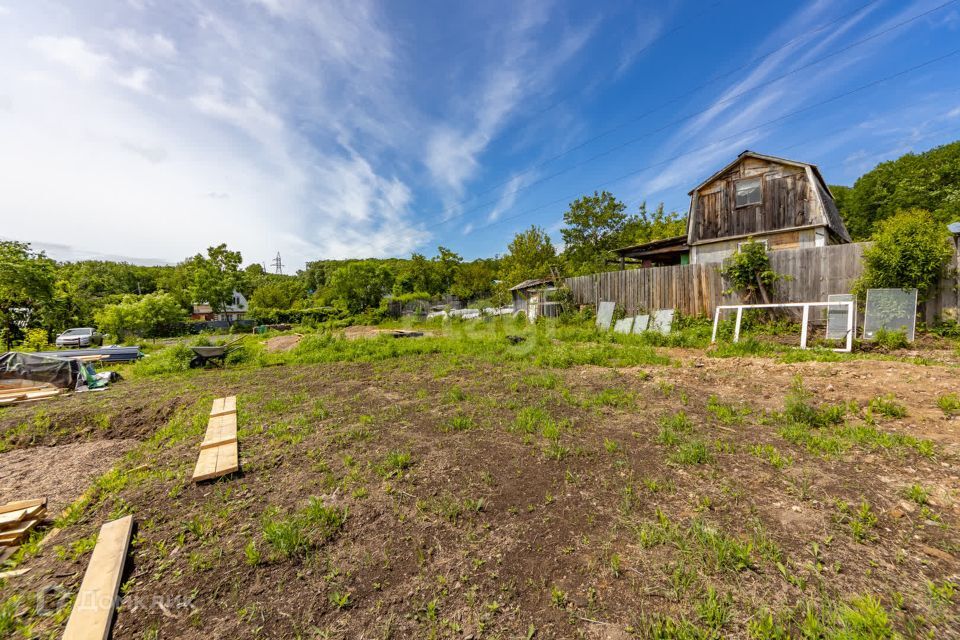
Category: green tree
[26,287]
[215,277]
[279,292]
[928,181]
[529,255]
[475,280]
[146,316]
[594,227]
[359,285]
[659,225]
[910,250]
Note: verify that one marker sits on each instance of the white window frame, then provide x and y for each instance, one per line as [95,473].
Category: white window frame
[806,306]
[736,186]
[763,241]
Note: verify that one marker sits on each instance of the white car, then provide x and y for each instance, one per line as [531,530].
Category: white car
[79,337]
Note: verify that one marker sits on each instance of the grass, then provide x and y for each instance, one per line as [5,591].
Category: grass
[298,533]
[770,454]
[916,493]
[888,406]
[712,548]
[726,413]
[860,522]
[949,403]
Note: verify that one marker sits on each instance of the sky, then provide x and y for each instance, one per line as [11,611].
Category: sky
[148,130]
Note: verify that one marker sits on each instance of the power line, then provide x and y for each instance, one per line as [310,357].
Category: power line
[689,116]
[731,136]
[670,101]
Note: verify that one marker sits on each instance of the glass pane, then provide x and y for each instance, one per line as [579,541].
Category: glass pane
[748,192]
[890,309]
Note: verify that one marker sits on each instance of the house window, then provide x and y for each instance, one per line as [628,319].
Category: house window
[766,247]
[748,191]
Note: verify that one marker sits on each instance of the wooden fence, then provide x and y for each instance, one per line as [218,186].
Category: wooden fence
[697,289]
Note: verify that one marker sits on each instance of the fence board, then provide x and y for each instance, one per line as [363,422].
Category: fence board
[697,289]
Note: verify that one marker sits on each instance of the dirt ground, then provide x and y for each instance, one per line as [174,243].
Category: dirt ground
[462,523]
[282,343]
[61,473]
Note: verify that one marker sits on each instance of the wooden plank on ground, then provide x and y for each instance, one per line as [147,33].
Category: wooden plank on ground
[93,609]
[13,534]
[223,406]
[13,399]
[215,462]
[15,391]
[10,518]
[22,504]
[220,430]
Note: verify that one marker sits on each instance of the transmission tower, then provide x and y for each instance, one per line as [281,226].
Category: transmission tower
[277,264]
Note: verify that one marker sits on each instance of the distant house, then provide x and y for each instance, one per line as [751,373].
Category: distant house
[232,312]
[782,203]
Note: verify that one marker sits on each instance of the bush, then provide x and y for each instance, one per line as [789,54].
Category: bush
[35,340]
[910,250]
[748,272]
[170,360]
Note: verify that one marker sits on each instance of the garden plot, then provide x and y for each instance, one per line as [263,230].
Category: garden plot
[532,490]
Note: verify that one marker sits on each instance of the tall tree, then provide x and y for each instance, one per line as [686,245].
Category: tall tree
[659,225]
[216,276]
[359,285]
[594,227]
[26,287]
[529,255]
[929,181]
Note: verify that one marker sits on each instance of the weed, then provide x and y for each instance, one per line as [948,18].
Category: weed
[861,522]
[252,553]
[612,446]
[949,404]
[531,420]
[888,406]
[693,452]
[455,394]
[765,626]
[916,493]
[714,611]
[396,463]
[891,340]
[340,600]
[297,533]
[612,397]
[941,594]
[770,454]
[558,597]
[726,413]
[799,410]
[460,422]
[673,429]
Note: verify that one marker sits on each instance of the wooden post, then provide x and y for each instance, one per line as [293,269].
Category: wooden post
[803,326]
[736,331]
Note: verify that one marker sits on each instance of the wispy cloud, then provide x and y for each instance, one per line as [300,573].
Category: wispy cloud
[522,68]
[237,125]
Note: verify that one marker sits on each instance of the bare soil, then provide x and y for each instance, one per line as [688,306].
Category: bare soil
[282,343]
[486,533]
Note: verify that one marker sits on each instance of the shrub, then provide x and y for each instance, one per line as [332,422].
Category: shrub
[910,250]
[748,272]
[35,340]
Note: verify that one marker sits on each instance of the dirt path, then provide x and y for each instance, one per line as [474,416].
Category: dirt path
[61,473]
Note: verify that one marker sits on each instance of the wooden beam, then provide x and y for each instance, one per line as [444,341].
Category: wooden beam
[22,504]
[94,607]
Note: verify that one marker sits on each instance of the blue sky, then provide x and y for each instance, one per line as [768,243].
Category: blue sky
[150,129]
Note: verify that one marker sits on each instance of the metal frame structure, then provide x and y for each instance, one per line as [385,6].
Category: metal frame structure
[851,318]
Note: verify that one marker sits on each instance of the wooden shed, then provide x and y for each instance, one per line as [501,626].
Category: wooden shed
[783,203]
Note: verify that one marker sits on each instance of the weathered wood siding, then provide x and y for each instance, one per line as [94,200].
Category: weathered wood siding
[787,202]
[813,274]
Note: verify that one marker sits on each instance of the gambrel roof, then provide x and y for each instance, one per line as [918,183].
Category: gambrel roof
[831,213]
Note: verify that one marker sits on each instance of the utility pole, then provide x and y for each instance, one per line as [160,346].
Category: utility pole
[277,264]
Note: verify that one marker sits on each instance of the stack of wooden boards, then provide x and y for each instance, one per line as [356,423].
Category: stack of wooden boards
[93,608]
[14,395]
[17,519]
[218,451]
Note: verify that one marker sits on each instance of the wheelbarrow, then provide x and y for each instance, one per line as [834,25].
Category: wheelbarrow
[215,356]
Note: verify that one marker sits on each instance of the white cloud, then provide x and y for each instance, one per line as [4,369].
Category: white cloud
[157,141]
[154,45]
[954,113]
[521,70]
[71,52]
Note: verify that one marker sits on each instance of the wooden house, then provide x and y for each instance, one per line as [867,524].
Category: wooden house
[783,203]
